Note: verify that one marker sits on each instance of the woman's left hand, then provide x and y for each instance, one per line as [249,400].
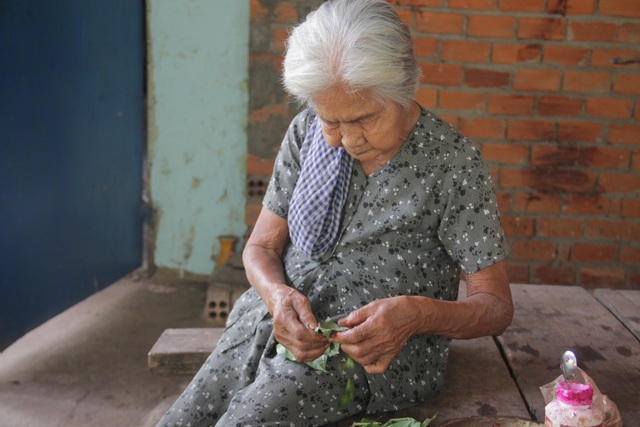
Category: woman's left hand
[379,330]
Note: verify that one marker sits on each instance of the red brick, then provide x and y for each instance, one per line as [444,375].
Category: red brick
[554,156]
[560,227]
[593,252]
[636,114]
[258,12]
[624,134]
[425,46]
[559,106]
[625,8]
[505,153]
[534,250]
[635,160]
[565,55]
[608,229]
[521,6]
[631,208]
[504,201]
[427,97]
[531,130]
[462,100]
[280,36]
[630,255]
[587,81]
[441,74]
[512,178]
[580,131]
[602,277]
[541,28]
[518,272]
[589,205]
[605,57]
[269,111]
[465,51]
[571,7]
[479,127]
[406,16]
[604,157]
[635,233]
[476,77]
[451,119]
[258,166]
[538,80]
[592,31]
[516,226]
[554,275]
[423,3]
[512,53]
[285,13]
[628,84]
[629,32]
[439,22]
[544,203]
[634,280]
[507,104]
[612,182]
[473,4]
[252,211]
[555,180]
[612,108]
[491,26]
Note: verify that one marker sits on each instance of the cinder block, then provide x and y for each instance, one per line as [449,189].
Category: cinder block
[227,283]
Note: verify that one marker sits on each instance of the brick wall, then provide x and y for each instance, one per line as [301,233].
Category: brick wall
[550,91]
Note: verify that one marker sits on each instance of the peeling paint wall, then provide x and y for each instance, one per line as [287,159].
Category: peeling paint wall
[197,138]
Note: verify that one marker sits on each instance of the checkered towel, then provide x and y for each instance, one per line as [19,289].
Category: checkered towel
[320,194]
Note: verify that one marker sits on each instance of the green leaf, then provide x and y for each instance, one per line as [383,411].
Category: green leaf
[328,327]
[394,422]
[347,395]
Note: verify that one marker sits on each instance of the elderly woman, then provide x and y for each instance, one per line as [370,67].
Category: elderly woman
[374,208]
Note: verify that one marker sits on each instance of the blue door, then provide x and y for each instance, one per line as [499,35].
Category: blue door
[72,137]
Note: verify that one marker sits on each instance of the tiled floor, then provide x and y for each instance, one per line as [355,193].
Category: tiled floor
[88,366]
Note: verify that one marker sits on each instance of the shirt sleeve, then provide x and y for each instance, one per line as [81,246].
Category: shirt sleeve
[470,228]
[286,169]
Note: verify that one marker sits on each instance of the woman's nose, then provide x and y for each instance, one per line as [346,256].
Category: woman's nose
[349,133]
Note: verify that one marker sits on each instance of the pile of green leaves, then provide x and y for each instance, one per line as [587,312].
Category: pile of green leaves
[394,422]
[326,328]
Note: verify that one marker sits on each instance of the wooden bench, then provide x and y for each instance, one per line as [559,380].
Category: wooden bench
[478,380]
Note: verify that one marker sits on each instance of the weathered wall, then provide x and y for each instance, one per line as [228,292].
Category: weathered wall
[197,77]
[536,85]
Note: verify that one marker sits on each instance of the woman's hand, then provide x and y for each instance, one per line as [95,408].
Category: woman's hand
[293,320]
[379,331]
[294,323]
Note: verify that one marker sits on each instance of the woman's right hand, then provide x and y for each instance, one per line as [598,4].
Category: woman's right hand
[294,323]
[293,320]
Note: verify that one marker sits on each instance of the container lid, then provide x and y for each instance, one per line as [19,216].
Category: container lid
[574,393]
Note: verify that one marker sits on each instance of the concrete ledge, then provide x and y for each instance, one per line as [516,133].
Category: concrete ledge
[182,351]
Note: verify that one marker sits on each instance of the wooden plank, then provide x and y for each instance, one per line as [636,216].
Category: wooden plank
[552,319]
[182,351]
[624,304]
[478,383]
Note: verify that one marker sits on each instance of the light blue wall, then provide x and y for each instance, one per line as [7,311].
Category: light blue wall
[197,85]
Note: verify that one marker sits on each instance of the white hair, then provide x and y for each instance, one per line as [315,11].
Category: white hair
[361,44]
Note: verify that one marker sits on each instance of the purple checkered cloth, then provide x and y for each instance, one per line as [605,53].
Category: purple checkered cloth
[320,194]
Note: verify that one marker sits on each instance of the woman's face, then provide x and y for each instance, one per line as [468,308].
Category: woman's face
[367,130]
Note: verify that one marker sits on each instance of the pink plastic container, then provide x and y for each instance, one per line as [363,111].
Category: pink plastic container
[573,407]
